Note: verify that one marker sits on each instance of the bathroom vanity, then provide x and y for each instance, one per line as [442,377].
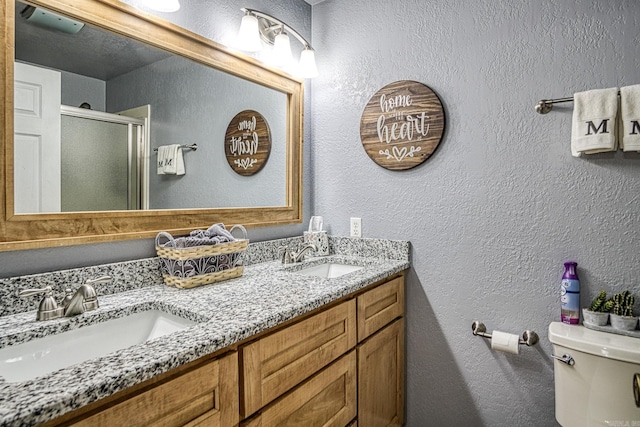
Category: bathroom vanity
[273,347]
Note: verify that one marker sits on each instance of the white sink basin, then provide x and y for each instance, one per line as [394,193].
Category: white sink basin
[47,354]
[329,270]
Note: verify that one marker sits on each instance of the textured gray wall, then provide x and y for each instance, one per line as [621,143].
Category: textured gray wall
[501,204]
[191,103]
[218,20]
[77,89]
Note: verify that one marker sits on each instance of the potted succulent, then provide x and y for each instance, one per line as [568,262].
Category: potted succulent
[598,312]
[622,312]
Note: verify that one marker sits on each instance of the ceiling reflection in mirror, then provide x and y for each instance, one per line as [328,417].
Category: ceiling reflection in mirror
[121,99]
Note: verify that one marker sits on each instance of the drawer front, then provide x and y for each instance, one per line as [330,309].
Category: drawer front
[327,399]
[280,361]
[379,307]
[206,395]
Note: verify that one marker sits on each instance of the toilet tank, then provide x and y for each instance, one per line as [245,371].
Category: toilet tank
[602,387]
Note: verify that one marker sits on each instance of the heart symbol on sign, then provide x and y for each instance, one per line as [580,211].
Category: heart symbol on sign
[399,154]
[245,163]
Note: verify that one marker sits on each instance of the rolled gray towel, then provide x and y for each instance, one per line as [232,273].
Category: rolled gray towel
[218,230]
[215,234]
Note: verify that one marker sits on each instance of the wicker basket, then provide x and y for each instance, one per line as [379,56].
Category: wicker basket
[193,266]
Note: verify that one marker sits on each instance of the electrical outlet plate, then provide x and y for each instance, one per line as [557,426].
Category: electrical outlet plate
[356,227]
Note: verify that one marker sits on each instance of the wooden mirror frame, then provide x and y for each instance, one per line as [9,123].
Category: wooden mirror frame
[27,231]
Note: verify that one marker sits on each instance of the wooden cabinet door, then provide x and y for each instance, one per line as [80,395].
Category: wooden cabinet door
[380,306]
[206,395]
[278,362]
[381,378]
[328,399]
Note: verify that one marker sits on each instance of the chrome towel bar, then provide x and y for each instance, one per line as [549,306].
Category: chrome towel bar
[193,147]
[545,105]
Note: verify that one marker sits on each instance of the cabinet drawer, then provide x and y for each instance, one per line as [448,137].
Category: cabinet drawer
[327,399]
[280,361]
[207,395]
[380,306]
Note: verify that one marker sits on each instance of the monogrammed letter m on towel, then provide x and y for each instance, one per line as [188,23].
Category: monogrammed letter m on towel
[594,121]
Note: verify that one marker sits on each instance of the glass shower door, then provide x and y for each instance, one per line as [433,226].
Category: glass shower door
[100,164]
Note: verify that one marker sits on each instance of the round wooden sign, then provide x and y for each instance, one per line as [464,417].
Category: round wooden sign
[402,125]
[247,143]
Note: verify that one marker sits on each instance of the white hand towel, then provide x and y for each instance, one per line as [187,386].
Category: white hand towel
[178,160]
[594,121]
[161,158]
[630,118]
[170,160]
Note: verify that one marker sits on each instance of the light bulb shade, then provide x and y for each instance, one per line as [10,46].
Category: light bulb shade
[282,51]
[307,66]
[163,5]
[249,34]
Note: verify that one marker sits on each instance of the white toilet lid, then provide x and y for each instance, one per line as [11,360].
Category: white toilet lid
[604,344]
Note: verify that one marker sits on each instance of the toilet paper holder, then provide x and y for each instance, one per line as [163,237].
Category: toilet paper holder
[529,338]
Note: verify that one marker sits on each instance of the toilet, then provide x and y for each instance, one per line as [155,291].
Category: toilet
[597,377]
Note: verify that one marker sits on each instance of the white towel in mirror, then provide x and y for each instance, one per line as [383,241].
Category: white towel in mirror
[594,121]
[170,160]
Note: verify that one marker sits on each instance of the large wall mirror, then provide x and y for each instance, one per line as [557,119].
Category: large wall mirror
[119,84]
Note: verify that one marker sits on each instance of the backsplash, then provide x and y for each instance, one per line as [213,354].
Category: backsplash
[125,276]
[146,272]
[375,248]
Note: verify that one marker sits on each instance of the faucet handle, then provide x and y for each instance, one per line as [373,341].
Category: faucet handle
[286,254]
[31,292]
[101,279]
[48,308]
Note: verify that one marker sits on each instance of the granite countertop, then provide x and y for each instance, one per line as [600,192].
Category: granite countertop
[268,294]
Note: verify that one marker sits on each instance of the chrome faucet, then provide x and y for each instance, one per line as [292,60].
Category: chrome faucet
[289,257]
[84,299]
[302,251]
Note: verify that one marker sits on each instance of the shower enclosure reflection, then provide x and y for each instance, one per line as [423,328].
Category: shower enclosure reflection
[70,159]
[100,151]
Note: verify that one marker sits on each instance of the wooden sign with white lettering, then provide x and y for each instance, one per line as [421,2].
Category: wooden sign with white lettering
[247,143]
[402,125]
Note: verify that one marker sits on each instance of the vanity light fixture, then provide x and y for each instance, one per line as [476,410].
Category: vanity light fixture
[282,55]
[258,27]
[163,5]
[249,35]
